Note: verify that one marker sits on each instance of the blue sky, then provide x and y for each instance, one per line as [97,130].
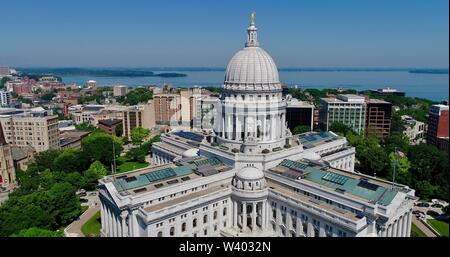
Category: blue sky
[175,33]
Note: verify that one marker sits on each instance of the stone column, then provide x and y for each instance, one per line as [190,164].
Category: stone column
[263,215]
[110,223]
[119,226]
[322,231]
[254,216]
[299,228]
[383,231]
[235,215]
[124,224]
[400,227]
[103,219]
[405,224]
[310,229]
[394,228]
[408,222]
[244,216]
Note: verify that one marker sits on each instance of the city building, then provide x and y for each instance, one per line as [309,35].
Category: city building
[378,118]
[7,170]
[250,176]
[437,124]
[91,84]
[110,126]
[120,90]
[138,116]
[414,130]
[5,98]
[347,109]
[72,139]
[31,127]
[167,109]
[387,91]
[22,156]
[4,71]
[299,113]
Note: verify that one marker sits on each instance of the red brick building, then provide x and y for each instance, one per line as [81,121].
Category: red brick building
[437,124]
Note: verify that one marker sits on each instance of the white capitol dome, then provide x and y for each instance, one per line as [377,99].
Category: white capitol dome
[252,67]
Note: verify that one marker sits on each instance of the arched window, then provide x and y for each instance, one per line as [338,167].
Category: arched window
[205,218]
[224,211]
[215,215]
[160,234]
[194,223]
[183,227]
[172,231]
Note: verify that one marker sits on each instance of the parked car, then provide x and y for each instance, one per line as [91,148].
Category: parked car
[423,204]
[416,212]
[84,200]
[437,205]
[432,213]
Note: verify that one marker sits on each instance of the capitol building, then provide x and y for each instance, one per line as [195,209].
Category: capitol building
[250,176]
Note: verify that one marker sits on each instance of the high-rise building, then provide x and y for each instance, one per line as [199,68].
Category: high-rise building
[7,170]
[251,176]
[138,116]
[5,98]
[437,124]
[378,118]
[36,127]
[167,109]
[91,84]
[120,90]
[347,109]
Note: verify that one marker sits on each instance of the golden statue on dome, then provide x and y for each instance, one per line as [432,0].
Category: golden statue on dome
[252,18]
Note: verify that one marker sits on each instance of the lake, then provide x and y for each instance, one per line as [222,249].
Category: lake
[430,86]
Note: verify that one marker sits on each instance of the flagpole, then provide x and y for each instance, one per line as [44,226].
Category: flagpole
[395,165]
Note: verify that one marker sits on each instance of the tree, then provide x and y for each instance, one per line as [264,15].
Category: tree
[85,127]
[48,96]
[137,154]
[99,146]
[138,135]
[63,204]
[402,175]
[301,129]
[139,95]
[340,128]
[396,139]
[70,160]
[118,131]
[429,171]
[95,172]
[38,232]
[45,160]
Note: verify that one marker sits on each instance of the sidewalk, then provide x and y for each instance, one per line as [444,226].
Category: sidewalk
[74,229]
[423,227]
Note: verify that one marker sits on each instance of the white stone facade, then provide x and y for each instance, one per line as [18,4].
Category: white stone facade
[251,177]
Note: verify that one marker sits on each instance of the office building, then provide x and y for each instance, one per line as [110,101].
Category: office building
[5,98]
[36,127]
[120,90]
[378,118]
[437,124]
[347,109]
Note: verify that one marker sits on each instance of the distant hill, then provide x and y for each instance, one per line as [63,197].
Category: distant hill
[99,72]
[429,71]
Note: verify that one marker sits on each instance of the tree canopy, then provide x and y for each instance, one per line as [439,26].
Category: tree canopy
[138,135]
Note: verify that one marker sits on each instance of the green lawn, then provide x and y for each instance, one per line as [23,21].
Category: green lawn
[128,166]
[84,208]
[440,226]
[92,226]
[416,232]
